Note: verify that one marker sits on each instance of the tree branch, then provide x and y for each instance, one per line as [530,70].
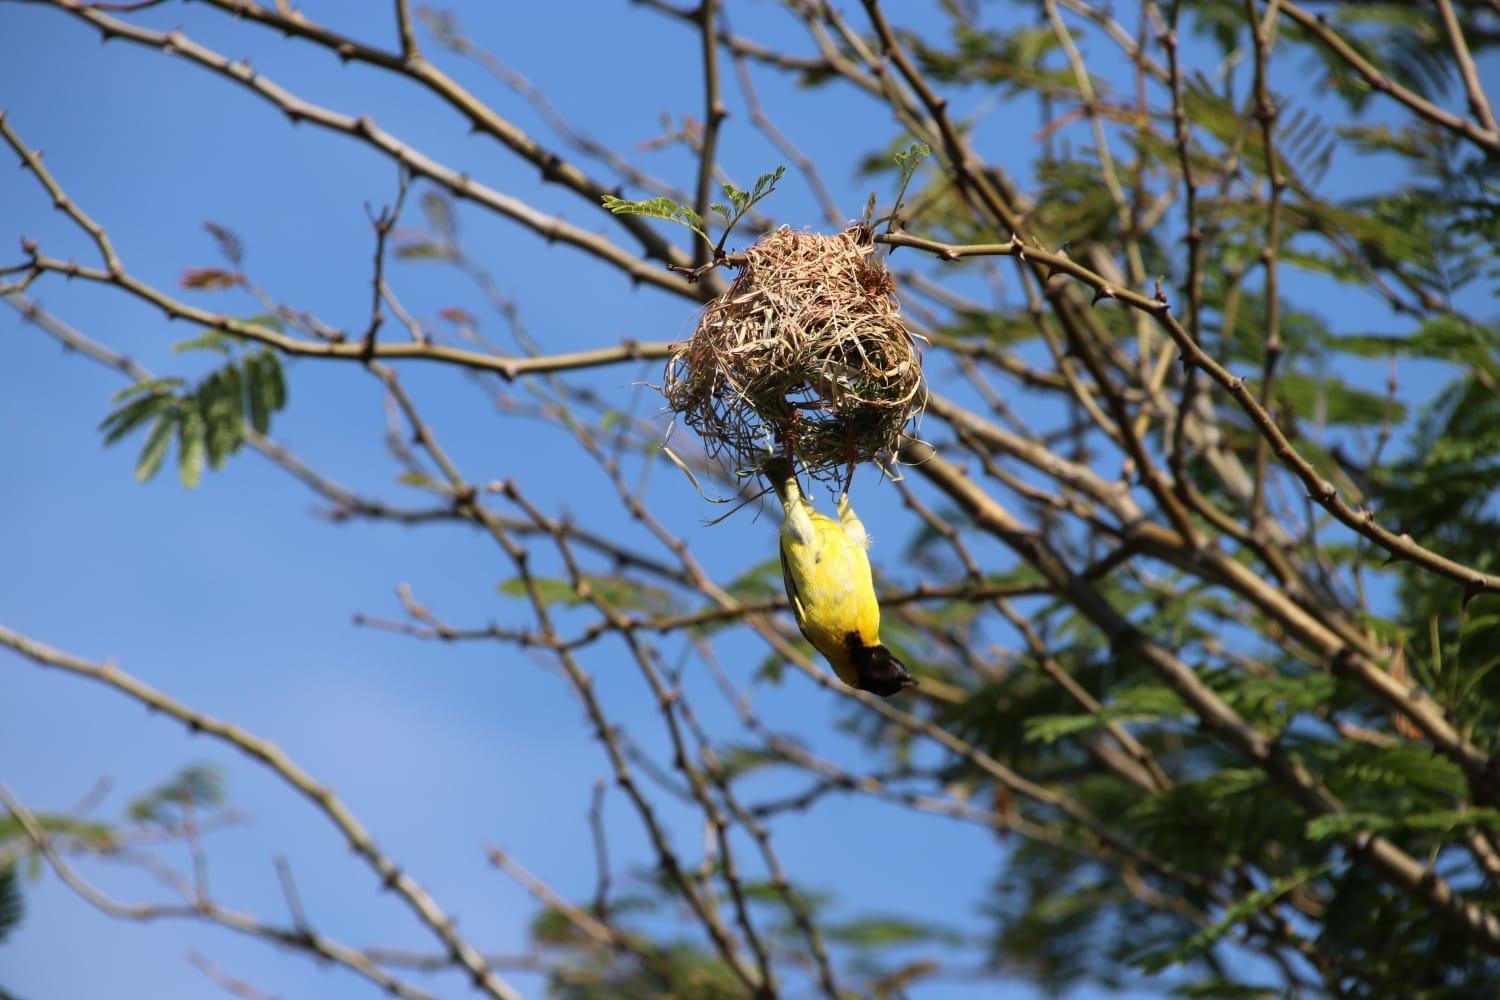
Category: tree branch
[276,760]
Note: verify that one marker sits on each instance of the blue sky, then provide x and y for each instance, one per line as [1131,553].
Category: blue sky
[238,599]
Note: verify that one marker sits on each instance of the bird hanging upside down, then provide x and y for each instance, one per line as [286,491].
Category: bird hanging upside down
[827,576]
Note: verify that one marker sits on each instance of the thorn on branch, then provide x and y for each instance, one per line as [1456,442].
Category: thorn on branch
[1104,292]
[1472,589]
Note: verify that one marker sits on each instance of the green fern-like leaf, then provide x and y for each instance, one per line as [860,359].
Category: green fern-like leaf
[210,420]
[658,208]
[12,906]
[198,785]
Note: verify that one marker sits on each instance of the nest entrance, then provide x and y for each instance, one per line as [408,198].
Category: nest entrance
[804,353]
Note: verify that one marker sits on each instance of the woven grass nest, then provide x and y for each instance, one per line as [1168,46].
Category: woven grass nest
[806,344]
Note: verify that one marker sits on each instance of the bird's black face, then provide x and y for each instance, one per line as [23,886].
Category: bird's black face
[876,670]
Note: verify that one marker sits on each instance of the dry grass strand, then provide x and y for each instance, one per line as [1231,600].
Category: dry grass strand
[807,341]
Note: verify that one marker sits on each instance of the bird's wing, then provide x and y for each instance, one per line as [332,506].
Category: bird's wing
[792,596]
[844,589]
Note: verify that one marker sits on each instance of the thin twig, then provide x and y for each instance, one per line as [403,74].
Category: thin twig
[1487,138]
[713,116]
[276,760]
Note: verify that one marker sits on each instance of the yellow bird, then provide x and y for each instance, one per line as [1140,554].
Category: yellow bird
[827,576]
